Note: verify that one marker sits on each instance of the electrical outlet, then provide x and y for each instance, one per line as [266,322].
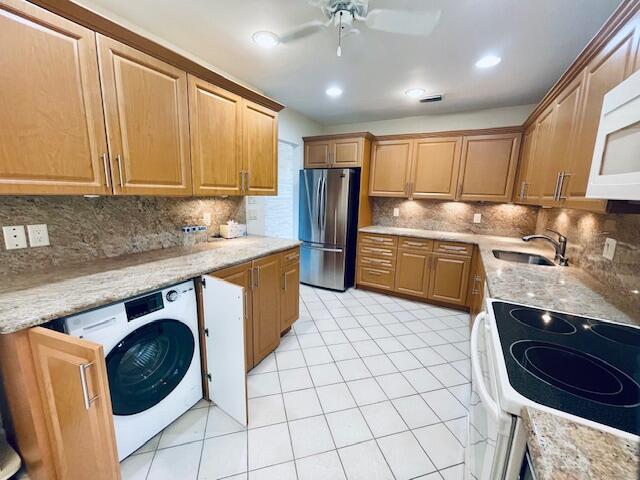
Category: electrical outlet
[38,235]
[609,249]
[396,212]
[14,237]
[206,219]
[477,217]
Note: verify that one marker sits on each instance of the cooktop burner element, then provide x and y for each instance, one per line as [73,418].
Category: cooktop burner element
[586,367]
[541,320]
[578,373]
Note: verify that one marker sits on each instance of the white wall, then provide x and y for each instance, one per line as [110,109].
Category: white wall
[491,118]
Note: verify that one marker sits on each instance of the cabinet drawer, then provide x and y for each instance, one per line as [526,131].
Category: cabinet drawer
[374,262]
[376,277]
[379,252]
[416,244]
[378,240]
[290,257]
[453,248]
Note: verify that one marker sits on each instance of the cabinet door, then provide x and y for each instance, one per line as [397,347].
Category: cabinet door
[436,162]
[215,121]
[316,154]
[347,152]
[147,121]
[223,307]
[260,149]
[266,306]
[412,273]
[612,65]
[51,120]
[74,387]
[449,279]
[523,180]
[488,167]
[290,300]
[390,168]
[241,275]
[546,172]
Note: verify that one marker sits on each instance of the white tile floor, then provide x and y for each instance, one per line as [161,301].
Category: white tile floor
[365,386]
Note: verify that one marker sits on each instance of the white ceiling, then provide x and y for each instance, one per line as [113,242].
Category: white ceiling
[537,40]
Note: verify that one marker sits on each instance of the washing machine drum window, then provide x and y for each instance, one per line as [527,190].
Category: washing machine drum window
[148,364]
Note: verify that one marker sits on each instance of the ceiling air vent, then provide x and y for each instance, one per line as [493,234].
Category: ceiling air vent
[431,98]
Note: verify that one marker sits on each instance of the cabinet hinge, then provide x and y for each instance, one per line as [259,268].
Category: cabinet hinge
[206,332]
[209,377]
[204,282]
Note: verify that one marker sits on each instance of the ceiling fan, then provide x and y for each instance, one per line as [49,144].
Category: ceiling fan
[346,15]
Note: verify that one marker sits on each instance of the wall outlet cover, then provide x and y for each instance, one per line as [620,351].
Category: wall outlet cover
[14,237]
[396,212]
[206,218]
[38,235]
[609,249]
[477,217]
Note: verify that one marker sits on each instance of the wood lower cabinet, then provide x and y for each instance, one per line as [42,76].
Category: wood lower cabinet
[449,279]
[412,272]
[390,168]
[259,149]
[52,132]
[146,109]
[477,279]
[266,306]
[290,296]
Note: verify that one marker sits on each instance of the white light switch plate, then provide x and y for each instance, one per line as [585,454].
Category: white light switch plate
[14,237]
[38,235]
[609,249]
[477,217]
[396,212]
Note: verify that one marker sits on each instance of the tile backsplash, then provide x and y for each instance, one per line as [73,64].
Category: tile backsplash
[586,233]
[497,218]
[82,229]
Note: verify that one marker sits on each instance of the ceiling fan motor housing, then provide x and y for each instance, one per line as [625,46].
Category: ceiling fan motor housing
[350,9]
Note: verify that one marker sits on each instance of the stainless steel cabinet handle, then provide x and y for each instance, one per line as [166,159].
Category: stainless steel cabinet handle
[459,190]
[248,176]
[85,386]
[242,186]
[257,277]
[555,192]
[375,274]
[523,190]
[119,159]
[284,282]
[105,164]
[414,244]
[244,299]
[252,282]
[453,248]
[562,177]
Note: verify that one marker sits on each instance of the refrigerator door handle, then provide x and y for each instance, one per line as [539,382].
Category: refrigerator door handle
[318,204]
[324,204]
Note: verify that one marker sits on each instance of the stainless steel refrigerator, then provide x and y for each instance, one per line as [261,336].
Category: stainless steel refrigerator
[328,226]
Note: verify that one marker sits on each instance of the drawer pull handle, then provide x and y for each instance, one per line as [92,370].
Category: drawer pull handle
[375,274]
[453,249]
[415,244]
[378,261]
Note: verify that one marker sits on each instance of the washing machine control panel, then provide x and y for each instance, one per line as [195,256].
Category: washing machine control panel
[172,296]
[142,306]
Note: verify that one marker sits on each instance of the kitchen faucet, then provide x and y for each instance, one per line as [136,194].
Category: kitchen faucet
[560,245]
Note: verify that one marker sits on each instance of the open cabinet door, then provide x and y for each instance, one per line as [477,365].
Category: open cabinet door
[72,377]
[223,304]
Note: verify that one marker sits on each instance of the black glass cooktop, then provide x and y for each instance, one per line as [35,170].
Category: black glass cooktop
[582,366]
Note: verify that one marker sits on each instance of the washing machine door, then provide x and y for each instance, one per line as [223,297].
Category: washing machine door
[148,364]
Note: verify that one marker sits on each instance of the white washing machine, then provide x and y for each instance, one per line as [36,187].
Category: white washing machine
[152,351]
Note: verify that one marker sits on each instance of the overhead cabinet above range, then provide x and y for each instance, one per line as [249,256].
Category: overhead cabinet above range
[84,114]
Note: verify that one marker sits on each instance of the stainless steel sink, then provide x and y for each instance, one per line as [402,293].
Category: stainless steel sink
[521,257]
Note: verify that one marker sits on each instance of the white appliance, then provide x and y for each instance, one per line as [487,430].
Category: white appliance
[496,447]
[615,168]
[152,351]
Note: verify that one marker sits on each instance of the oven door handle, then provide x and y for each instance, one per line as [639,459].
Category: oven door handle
[489,403]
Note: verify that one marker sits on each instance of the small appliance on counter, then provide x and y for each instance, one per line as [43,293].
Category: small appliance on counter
[9,460]
[233,229]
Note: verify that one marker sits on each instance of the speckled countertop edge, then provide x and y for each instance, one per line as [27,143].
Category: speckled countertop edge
[35,298]
[564,289]
[561,449]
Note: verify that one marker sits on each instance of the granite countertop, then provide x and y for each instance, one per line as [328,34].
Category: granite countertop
[564,450]
[564,289]
[35,298]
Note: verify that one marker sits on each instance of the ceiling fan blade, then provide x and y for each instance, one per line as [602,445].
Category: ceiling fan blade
[405,22]
[304,30]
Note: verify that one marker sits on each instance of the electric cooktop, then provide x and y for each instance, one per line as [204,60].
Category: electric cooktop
[581,366]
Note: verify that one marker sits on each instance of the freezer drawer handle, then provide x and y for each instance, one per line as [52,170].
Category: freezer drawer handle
[323,249]
[85,387]
[481,389]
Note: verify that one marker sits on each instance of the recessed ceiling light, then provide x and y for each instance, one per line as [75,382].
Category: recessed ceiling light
[415,92]
[488,61]
[334,91]
[265,39]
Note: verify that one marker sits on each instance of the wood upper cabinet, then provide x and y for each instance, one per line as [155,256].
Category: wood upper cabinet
[488,167]
[545,175]
[347,152]
[390,168]
[147,121]
[434,171]
[52,133]
[266,306]
[290,296]
[241,275]
[339,152]
[72,377]
[317,154]
[449,279]
[259,149]
[215,121]
[523,181]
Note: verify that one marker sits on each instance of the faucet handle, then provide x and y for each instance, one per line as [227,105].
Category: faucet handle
[560,236]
